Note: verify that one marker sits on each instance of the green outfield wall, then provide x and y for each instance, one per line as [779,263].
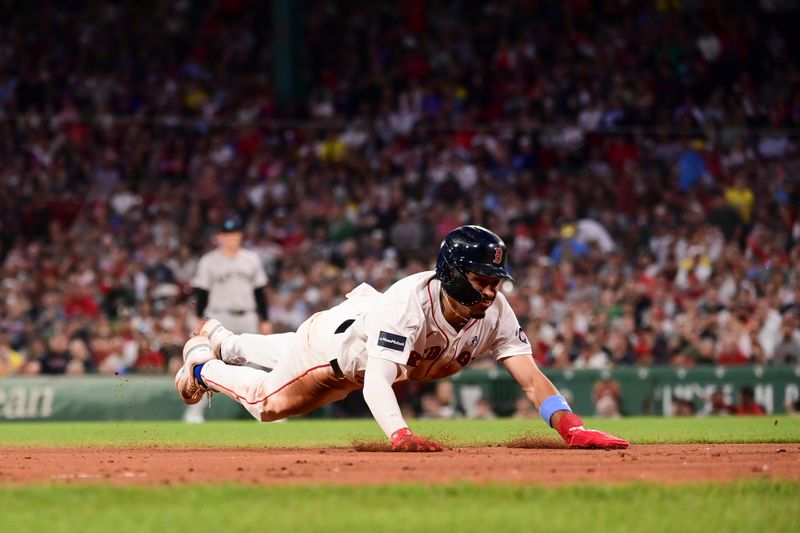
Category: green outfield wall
[101,398]
[645,391]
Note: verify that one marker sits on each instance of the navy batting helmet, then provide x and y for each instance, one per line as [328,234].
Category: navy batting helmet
[470,249]
[231,224]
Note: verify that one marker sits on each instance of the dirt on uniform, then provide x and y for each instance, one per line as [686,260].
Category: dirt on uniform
[498,464]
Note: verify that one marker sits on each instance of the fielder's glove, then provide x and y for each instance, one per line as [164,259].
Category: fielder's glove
[405,441]
[576,436]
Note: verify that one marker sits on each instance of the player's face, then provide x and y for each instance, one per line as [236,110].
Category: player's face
[230,240]
[487,286]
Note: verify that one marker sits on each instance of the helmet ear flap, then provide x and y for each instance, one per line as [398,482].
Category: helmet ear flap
[454,281]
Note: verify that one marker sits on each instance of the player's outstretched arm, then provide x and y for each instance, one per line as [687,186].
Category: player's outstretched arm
[554,409]
[378,393]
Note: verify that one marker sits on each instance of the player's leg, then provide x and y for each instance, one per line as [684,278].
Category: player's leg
[302,378]
[248,348]
[296,385]
[262,350]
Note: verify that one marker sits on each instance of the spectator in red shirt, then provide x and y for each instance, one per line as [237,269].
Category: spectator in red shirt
[719,405]
[747,405]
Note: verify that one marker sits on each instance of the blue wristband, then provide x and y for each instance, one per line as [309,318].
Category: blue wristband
[550,405]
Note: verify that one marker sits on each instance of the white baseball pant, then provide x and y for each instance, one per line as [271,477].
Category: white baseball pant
[304,376]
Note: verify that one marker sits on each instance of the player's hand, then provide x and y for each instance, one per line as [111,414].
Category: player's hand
[592,438]
[405,441]
[576,436]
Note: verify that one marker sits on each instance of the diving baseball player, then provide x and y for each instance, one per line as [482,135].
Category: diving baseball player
[426,326]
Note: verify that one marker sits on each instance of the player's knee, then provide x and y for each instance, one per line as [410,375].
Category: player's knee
[273,410]
[270,417]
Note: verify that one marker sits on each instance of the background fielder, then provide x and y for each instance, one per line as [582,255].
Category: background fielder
[230,284]
[426,326]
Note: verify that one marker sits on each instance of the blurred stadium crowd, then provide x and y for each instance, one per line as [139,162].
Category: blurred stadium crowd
[641,160]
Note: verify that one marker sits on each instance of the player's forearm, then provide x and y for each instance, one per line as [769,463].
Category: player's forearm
[262,306]
[534,383]
[201,301]
[380,398]
[542,389]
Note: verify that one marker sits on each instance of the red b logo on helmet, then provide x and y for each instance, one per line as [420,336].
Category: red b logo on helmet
[498,256]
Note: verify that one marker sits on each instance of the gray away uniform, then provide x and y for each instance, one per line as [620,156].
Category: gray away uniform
[230,282]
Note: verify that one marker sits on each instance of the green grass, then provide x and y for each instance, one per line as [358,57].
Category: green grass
[750,506]
[754,505]
[313,433]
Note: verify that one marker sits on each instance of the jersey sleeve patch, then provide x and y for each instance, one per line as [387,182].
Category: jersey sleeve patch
[391,341]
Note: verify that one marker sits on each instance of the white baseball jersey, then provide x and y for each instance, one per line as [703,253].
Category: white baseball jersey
[406,325]
[230,281]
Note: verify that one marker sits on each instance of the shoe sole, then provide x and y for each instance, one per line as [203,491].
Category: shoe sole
[182,386]
[191,358]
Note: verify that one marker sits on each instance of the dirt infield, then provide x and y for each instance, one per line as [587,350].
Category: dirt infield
[657,463]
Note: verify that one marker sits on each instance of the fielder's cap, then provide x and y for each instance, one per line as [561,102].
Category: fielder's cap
[231,224]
